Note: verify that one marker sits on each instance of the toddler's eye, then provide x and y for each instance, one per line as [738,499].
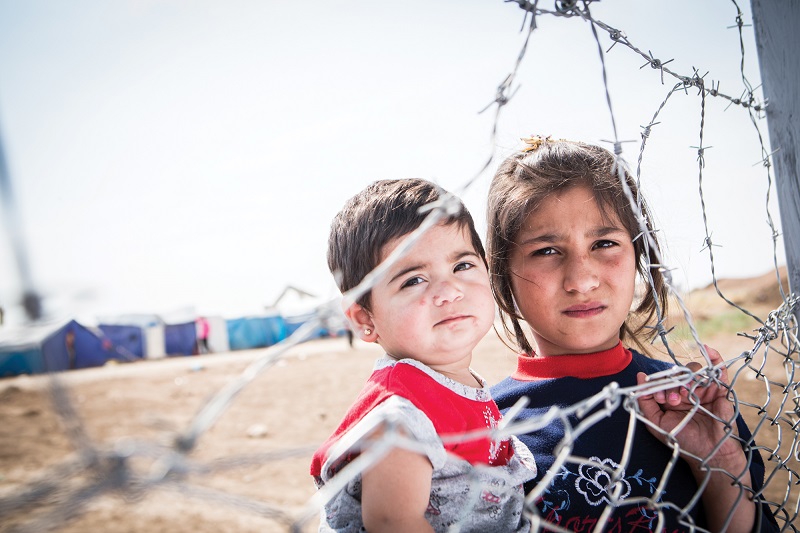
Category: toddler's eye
[416,280]
[463,266]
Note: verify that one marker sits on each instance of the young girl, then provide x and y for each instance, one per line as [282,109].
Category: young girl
[565,249]
[427,311]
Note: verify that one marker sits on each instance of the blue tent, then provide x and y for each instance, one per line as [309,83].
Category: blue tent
[16,360]
[53,348]
[293,323]
[255,332]
[130,338]
[181,339]
[139,334]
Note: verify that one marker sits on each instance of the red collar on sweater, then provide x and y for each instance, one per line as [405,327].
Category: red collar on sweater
[584,366]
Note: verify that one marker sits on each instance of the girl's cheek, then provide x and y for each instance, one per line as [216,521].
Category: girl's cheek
[618,262]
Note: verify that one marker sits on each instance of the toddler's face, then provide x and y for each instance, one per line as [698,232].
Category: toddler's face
[573,273]
[435,304]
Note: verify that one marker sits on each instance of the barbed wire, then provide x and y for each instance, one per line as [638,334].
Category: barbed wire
[134,468]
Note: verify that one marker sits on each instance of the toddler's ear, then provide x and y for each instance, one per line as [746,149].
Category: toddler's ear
[361,322]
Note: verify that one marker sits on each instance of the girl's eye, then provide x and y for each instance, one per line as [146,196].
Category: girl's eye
[463,266]
[544,251]
[416,280]
[604,244]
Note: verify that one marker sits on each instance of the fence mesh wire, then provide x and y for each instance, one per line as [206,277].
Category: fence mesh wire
[133,468]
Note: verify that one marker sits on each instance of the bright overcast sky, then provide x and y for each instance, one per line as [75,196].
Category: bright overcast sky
[174,154]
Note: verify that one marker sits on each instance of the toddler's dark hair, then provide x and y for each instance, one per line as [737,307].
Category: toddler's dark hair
[383,211]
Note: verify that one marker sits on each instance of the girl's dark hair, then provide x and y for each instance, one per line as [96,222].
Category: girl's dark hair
[381,212]
[525,179]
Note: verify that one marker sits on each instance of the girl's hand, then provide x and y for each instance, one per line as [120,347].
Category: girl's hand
[710,423]
[711,420]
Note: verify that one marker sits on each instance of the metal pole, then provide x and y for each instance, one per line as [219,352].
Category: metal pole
[776,23]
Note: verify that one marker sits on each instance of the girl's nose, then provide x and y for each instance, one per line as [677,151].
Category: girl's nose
[447,292]
[580,275]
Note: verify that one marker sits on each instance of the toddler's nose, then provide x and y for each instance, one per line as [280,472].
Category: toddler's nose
[447,292]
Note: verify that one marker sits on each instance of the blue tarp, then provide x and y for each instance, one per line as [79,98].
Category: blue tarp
[16,361]
[130,338]
[180,339]
[294,322]
[49,350]
[255,332]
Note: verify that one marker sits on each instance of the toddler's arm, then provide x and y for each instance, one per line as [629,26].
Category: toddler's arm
[667,409]
[395,493]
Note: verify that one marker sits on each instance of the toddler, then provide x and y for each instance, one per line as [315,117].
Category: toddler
[427,312]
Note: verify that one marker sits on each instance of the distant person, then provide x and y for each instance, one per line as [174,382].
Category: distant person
[203,330]
[428,312]
[350,336]
[69,344]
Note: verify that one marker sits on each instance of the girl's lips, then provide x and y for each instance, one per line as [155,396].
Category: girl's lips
[584,310]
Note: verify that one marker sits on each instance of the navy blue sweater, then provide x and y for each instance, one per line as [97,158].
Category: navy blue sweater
[580,490]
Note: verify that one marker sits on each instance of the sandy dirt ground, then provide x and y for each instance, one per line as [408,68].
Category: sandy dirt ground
[63,457]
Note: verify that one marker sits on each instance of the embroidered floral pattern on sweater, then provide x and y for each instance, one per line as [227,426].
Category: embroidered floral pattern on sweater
[596,484]
[595,481]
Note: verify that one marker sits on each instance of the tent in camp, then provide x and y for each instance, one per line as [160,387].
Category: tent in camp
[128,338]
[180,339]
[298,307]
[142,335]
[54,347]
[255,332]
[180,332]
[294,322]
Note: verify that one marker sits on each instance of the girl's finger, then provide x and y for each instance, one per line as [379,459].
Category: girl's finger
[713,355]
[648,405]
[715,358]
[694,366]
[674,397]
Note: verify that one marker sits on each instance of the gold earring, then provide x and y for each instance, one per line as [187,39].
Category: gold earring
[367,331]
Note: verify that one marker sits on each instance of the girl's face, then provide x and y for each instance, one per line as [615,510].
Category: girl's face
[573,273]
